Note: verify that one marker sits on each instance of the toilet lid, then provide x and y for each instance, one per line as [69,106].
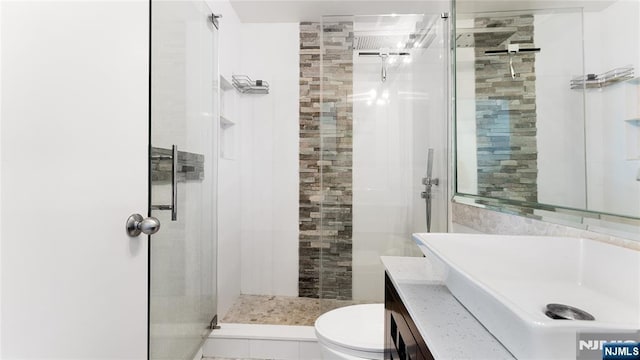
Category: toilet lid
[357,327]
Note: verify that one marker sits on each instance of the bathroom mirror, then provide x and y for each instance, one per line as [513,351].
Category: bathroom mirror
[547,117]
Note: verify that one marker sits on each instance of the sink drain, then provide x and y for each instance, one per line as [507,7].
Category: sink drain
[566,312]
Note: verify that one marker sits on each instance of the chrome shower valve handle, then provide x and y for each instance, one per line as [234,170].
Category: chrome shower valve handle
[427,181]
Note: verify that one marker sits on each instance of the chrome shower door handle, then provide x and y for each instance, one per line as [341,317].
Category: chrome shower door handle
[174,183]
[136,225]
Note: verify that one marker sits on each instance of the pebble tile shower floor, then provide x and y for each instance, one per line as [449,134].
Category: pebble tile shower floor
[280,310]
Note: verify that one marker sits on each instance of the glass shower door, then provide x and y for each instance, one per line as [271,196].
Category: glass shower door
[383,106]
[182,284]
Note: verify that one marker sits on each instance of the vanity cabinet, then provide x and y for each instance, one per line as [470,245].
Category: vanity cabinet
[402,339]
[419,307]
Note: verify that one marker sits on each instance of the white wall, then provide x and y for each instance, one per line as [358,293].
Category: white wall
[268,154]
[229,191]
[430,129]
[382,171]
[559,110]
[74,147]
[467,159]
[611,41]
[0,177]
[258,182]
[230,37]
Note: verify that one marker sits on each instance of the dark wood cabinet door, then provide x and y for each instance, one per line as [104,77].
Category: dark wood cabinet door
[402,339]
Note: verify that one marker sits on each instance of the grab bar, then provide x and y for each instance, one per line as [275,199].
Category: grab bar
[174,183]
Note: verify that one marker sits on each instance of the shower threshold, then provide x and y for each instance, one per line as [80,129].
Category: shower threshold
[281,310]
[270,327]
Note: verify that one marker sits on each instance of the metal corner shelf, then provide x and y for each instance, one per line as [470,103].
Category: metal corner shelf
[593,81]
[246,85]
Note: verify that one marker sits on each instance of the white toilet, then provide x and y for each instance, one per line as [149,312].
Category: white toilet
[353,332]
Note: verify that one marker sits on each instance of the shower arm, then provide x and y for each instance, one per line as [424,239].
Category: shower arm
[513,71]
[383,71]
[384,55]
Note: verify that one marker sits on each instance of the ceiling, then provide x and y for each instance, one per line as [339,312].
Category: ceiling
[261,11]
[313,10]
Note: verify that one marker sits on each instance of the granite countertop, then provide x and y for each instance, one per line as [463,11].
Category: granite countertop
[450,331]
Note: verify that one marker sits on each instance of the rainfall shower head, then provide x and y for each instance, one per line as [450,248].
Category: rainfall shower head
[374,41]
[394,32]
[393,37]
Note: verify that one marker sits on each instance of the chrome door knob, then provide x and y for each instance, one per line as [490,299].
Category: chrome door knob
[136,224]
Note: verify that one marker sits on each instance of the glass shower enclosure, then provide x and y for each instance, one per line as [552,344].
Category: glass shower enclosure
[383,95]
[334,179]
[183,110]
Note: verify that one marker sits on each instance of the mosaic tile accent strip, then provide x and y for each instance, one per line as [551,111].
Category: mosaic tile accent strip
[506,113]
[337,160]
[325,251]
[190,166]
[280,310]
[310,177]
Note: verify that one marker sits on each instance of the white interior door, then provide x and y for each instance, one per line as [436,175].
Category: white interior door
[74,145]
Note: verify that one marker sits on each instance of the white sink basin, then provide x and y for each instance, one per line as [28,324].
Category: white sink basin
[507,281]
